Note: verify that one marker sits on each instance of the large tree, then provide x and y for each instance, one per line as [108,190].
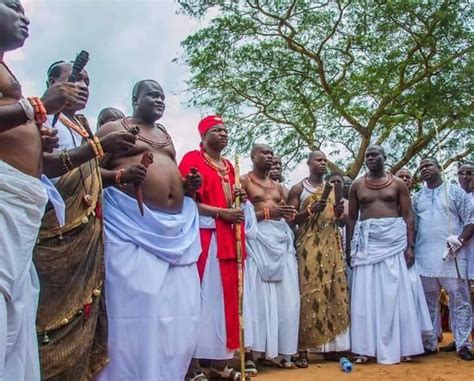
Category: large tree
[338,74]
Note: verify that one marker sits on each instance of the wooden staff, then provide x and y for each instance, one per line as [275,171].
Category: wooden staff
[240,273]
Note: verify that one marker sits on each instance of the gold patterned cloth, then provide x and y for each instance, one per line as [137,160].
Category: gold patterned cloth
[323,285]
[71,320]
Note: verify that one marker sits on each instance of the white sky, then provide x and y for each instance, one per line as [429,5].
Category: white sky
[128,40]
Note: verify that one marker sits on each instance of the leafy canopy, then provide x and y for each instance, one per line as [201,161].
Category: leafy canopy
[338,74]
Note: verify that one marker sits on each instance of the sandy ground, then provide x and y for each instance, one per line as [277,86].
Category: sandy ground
[440,367]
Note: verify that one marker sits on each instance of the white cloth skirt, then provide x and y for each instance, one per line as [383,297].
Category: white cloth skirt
[274,305]
[22,202]
[384,319]
[212,329]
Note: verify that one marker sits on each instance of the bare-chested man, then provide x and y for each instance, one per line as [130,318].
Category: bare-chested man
[22,200]
[152,283]
[271,271]
[383,308]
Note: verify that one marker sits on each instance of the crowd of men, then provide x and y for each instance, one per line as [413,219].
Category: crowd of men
[116,263]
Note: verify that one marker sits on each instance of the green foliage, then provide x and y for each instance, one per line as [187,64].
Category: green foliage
[338,75]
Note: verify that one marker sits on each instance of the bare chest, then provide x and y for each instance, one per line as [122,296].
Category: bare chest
[366,195]
[10,88]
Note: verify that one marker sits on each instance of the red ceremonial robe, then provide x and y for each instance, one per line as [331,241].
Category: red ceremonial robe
[212,193]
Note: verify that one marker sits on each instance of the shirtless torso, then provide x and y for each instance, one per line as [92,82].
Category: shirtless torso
[379,194]
[377,203]
[262,194]
[266,195]
[20,142]
[163,185]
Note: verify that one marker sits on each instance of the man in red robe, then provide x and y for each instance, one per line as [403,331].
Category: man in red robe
[219,329]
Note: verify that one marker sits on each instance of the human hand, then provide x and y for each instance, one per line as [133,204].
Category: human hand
[339,209]
[409,256]
[231,215]
[318,206]
[136,174]
[287,212]
[61,96]
[240,192]
[192,181]
[118,142]
[49,139]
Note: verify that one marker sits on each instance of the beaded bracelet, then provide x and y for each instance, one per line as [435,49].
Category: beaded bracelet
[40,113]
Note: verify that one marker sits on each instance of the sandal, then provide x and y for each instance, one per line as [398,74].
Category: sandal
[279,362]
[407,359]
[285,364]
[302,360]
[250,368]
[227,374]
[197,376]
[360,359]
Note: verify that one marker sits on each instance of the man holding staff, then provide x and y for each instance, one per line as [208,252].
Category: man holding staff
[218,268]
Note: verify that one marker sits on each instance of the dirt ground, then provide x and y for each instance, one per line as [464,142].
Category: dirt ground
[440,367]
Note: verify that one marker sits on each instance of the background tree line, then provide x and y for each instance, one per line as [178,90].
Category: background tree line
[338,74]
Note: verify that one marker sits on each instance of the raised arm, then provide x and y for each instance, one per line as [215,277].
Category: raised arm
[54,99]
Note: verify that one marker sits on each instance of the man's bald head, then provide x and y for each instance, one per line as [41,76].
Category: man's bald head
[13,25]
[143,84]
[109,114]
[376,147]
[465,175]
[317,162]
[375,158]
[259,147]
[262,157]
[148,100]
[315,153]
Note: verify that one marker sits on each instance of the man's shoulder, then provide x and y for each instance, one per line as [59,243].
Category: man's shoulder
[109,127]
[194,154]
[192,158]
[357,182]
[297,188]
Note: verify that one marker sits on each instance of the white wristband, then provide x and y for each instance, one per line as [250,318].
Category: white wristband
[28,109]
